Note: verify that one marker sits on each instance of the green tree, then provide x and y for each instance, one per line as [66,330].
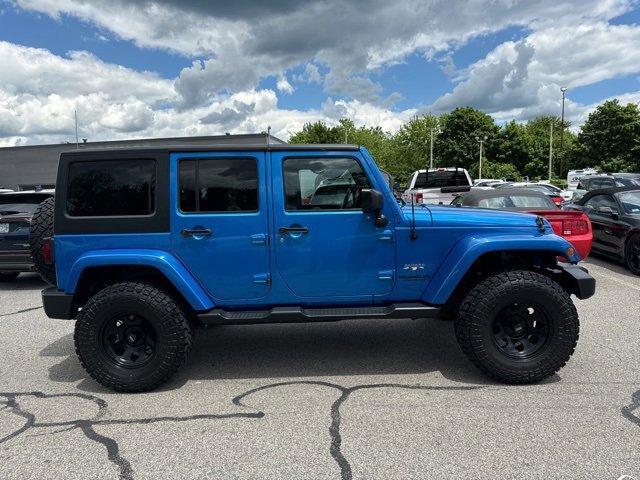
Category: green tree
[318,132]
[513,146]
[539,130]
[609,138]
[410,146]
[458,143]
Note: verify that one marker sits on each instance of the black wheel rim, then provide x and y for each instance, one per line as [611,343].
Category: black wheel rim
[129,341]
[634,254]
[521,330]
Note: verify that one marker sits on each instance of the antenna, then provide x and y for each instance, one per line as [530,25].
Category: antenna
[75,115]
[268,135]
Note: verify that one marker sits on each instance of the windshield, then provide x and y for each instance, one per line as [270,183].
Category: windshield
[16,208]
[546,187]
[630,202]
[516,201]
[628,182]
[442,178]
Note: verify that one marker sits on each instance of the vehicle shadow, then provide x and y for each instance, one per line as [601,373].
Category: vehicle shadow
[293,351]
[25,281]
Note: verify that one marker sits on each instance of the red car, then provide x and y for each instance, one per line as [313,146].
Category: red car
[573,225]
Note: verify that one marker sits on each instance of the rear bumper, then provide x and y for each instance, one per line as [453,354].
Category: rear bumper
[576,280]
[58,304]
[15,261]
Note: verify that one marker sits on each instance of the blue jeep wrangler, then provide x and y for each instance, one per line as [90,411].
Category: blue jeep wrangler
[144,244]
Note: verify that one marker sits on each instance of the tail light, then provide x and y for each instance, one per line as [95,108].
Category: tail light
[47,250]
[557,200]
[575,227]
[417,197]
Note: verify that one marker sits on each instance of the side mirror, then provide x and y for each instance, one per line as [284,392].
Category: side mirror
[608,211]
[372,202]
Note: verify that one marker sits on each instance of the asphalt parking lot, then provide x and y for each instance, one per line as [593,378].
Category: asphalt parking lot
[354,399]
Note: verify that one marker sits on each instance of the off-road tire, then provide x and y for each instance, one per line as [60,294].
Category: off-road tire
[633,242]
[173,330]
[8,276]
[475,323]
[41,228]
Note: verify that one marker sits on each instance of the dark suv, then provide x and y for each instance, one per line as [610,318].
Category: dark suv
[16,210]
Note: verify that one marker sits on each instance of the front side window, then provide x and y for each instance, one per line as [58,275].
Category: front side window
[323,183]
[594,203]
[218,185]
[111,188]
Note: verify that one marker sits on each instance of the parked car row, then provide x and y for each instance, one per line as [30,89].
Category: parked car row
[571,224]
[615,216]
[605,220]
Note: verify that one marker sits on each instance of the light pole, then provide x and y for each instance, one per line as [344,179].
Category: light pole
[431,150]
[564,91]
[550,148]
[481,140]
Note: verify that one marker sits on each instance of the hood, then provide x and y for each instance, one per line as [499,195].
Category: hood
[450,216]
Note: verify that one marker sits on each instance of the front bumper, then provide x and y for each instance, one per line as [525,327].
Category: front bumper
[576,280]
[58,304]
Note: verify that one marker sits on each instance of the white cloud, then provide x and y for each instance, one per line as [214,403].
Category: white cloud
[39,92]
[523,79]
[243,42]
[313,73]
[234,45]
[284,86]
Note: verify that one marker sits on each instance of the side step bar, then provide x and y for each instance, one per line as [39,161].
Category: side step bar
[298,314]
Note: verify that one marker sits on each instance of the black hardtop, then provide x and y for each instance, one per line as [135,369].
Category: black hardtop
[605,191]
[276,147]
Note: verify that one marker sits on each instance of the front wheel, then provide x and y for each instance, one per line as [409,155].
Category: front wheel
[632,254]
[132,337]
[518,326]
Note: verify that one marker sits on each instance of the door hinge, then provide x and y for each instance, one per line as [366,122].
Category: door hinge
[262,278]
[260,239]
[386,274]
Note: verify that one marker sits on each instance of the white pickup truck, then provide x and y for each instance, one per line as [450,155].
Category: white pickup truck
[437,185]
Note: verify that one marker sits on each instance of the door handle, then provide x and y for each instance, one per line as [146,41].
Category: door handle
[287,230]
[195,232]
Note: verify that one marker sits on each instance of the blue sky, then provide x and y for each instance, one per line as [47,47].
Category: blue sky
[182,68]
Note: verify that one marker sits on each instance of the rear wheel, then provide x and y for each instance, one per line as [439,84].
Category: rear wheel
[132,337]
[518,327]
[41,229]
[632,254]
[8,276]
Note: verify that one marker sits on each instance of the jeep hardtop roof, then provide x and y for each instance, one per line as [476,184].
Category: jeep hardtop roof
[276,147]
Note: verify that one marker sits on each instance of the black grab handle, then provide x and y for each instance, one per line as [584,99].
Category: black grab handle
[287,230]
[195,232]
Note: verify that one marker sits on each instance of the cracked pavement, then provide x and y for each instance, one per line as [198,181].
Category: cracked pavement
[356,399]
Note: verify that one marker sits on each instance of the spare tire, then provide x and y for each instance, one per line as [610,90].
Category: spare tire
[41,229]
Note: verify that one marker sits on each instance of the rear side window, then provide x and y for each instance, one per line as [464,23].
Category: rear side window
[111,188]
[218,185]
